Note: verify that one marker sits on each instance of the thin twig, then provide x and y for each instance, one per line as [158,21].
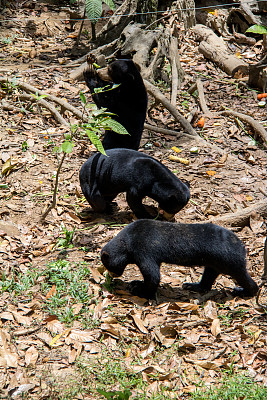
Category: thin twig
[53,204]
[29,88]
[202,99]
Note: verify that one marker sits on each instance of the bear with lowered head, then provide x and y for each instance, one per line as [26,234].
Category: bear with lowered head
[102,178]
[148,243]
[128,101]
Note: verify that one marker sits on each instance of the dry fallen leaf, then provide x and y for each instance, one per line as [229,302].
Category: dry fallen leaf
[52,292]
[55,326]
[215,327]
[210,310]
[139,323]
[8,358]
[147,350]
[22,319]
[96,275]
[82,336]
[31,356]
[72,356]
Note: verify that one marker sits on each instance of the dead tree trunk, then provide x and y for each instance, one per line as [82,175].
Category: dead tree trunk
[147,11]
[185,10]
[214,48]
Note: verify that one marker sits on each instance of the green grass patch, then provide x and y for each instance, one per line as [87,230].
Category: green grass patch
[235,387]
[71,286]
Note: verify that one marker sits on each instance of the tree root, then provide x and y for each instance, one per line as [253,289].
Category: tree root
[241,218]
[167,131]
[199,87]
[258,128]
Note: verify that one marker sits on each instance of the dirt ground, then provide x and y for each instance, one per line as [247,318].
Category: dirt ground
[227,172]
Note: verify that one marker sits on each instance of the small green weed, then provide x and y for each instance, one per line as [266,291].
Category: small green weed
[66,241]
[18,283]
[24,146]
[125,395]
[7,40]
[72,287]
[232,387]
[10,85]
[236,314]
[108,283]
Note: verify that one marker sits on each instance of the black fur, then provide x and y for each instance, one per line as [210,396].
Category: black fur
[128,101]
[148,243]
[102,178]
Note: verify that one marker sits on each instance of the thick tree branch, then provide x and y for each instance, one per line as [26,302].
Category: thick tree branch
[155,92]
[241,217]
[46,105]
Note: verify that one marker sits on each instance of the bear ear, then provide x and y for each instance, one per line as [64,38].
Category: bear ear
[105,258]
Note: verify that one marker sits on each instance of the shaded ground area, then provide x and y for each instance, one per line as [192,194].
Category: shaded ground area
[61,320]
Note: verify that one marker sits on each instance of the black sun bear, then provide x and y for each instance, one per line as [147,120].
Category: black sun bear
[102,178]
[128,101]
[148,243]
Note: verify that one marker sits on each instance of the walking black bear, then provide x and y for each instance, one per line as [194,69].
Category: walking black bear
[148,243]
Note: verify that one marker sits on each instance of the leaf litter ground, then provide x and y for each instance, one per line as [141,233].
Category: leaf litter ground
[65,330]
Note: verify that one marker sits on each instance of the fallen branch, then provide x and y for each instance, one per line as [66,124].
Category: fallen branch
[241,217]
[257,127]
[199,87]
[31,89]
[46,105]
[155,92]
[167,131]
[175,63]
[214,48]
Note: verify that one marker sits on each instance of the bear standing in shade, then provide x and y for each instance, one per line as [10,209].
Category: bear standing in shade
[148,243]
[128,101]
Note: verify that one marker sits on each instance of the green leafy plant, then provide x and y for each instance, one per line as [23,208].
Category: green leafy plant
[98,120]
[24,146]
[93,10]
[19,282]
[66,241]
[38,97]
[259,29]
[10,85]
[8,40]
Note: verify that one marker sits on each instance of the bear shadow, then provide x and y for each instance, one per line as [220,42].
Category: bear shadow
[169,294]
